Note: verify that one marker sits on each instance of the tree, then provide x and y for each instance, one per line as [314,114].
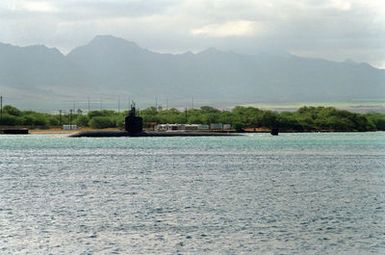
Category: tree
[101,122]
[10,120]
[11,110]
[82,121]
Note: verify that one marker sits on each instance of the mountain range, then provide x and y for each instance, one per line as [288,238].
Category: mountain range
[111,67]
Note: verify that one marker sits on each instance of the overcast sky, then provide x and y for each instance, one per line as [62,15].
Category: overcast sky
[331,29]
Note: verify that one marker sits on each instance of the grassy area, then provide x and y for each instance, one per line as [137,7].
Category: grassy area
[354,105]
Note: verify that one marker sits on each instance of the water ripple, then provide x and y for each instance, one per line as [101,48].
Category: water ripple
[292,194]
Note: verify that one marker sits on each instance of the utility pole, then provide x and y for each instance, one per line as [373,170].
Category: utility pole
[119,104]
[156,103]
[70,117]
[60,119]
[1,108]
[186,114]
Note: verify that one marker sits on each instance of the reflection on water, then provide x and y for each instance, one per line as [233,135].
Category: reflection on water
[291,194]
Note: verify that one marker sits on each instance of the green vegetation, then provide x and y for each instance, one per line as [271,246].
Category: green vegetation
[12,116]
[305,119]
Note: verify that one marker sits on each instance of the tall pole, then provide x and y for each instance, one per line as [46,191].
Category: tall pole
[186,114]
[1,108]
[60,120]
[156,103]
[70,118]
[118,104]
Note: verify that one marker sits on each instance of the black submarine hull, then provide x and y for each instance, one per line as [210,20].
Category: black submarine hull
[148,134]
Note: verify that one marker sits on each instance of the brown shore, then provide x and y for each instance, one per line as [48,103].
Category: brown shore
[122,133]
[59,131]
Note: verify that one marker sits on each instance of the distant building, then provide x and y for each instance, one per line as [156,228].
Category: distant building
[70,127]
[203,127]
[192,127]
[216,126]
[167,127]
[181,127]
[226,126]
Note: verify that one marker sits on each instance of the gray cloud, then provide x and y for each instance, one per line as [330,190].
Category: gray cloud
[332,29]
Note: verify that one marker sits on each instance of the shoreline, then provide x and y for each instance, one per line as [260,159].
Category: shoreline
[121,133]
[55,131]
[59,131]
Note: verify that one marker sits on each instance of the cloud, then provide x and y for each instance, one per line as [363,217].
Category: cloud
[28,6]
[333,29]
[342,5]
[228,29]
[37,6]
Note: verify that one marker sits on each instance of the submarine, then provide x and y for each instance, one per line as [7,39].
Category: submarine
[133,127]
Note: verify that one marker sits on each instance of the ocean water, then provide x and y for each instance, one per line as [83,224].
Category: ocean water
[318,193]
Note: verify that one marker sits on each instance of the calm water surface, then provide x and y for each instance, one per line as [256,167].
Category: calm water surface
[257,194]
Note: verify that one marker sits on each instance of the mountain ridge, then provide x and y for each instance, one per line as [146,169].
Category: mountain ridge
[108,65]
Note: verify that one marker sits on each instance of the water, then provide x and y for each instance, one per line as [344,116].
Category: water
[258,194]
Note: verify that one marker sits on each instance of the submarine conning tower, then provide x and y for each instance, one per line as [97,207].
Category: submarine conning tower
[133,124]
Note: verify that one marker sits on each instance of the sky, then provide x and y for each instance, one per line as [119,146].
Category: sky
[331,29]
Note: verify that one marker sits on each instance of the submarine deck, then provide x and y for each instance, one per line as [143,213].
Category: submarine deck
[148,134]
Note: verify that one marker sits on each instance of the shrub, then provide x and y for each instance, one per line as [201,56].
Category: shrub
[9,120]
[11,110]
[82,121]
[101,122]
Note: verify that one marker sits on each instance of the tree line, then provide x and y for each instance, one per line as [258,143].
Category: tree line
[305,119]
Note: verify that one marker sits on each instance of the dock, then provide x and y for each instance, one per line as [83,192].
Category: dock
[14,131]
